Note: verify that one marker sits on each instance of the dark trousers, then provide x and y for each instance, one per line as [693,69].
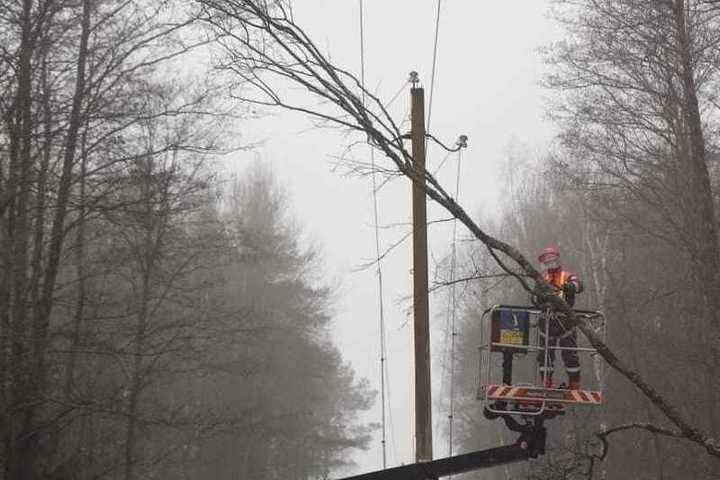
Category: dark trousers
[563,337]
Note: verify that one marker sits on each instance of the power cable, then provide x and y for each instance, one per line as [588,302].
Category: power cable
[442,162]
[397,94]
[383,367]
[434,64]
[462,143]
[391,423]
[362,51]
[453,333]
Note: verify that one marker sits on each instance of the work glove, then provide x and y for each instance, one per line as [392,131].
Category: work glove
[569,290]
[534,300]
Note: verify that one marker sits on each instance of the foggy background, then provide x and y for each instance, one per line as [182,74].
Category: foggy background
[188,281]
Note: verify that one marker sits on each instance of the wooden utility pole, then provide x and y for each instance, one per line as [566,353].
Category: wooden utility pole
[532,436]
[423,413]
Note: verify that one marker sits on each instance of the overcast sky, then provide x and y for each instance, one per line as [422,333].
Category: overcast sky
[487,87]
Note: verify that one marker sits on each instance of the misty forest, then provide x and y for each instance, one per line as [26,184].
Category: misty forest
[163,318]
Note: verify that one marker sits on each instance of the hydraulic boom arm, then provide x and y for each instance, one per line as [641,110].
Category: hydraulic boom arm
[529,445]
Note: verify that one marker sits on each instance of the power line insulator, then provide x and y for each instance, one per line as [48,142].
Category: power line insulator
[414,78]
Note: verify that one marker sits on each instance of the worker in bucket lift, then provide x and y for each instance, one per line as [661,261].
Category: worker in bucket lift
[566,285]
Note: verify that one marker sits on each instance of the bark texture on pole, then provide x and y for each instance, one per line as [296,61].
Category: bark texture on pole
[423,413]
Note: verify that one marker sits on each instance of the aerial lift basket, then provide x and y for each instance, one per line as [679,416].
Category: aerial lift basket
[509,333]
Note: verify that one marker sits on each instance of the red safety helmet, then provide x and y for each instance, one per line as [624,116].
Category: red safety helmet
[550,257]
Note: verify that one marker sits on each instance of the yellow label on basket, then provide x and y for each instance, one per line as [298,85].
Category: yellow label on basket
[511,337]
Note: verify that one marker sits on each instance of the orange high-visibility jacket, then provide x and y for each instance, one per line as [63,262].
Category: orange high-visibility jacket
[558,278]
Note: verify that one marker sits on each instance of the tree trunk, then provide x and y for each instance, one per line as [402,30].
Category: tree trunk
[19,189]
[703,208]
[146,260]
[28,453]
[80,274]
[136,376]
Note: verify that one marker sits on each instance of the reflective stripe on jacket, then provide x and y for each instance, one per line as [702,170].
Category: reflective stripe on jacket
[559,278]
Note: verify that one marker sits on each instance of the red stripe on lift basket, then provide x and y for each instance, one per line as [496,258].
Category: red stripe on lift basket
[584,396]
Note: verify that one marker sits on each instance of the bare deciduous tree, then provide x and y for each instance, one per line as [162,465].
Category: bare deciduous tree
[633,81]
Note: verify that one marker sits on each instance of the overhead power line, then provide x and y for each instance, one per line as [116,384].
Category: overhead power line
[434,64]
[378,263]
[453,310]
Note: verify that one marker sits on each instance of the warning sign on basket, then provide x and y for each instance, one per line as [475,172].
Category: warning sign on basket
[510,329]
[511,337]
